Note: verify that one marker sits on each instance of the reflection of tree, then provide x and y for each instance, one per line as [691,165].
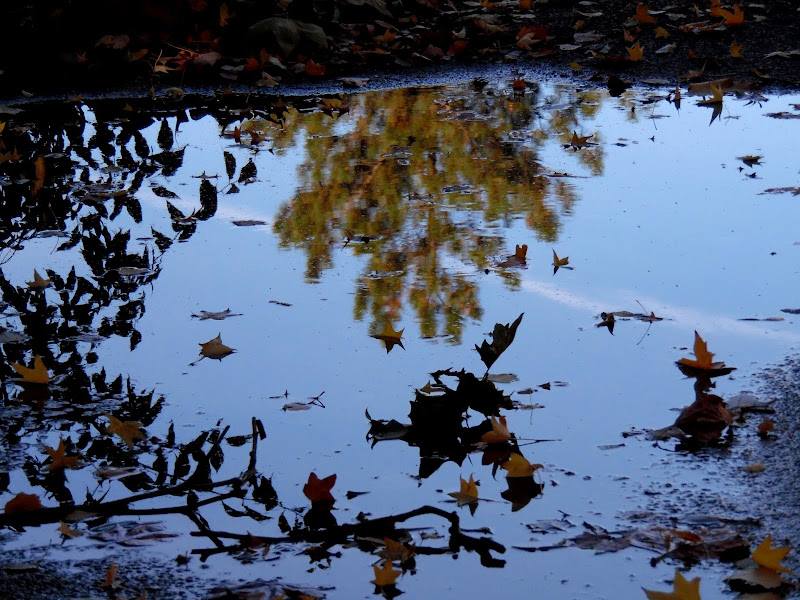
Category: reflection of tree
[408,179]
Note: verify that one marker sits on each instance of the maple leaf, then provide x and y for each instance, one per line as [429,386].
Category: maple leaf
[635,52]
[60,458]
[385,575]
[580,142]
[393,550]
[681,589]
[23,502]
[734,18]
[703,360]
[518,466]
[69,532]
[390,337]
[38,374]
[215,349]
[319,490]
[559,262]
[127,430]
[499,433]
[502,336]
[468,492]
[643,15]
[767,556]
[39,282]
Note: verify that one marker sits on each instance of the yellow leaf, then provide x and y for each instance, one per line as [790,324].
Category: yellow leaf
[215,348]
[767,556]
[390,337]
[68,531]
[635,52]
[681,589]
[127,430]
[559,262]
[732,18]
[385,575]
[468,492]
[661,32]
[60,458]
[37,374]
[499,433]
[39,282]
[736,50]
[518,466]
[643,16]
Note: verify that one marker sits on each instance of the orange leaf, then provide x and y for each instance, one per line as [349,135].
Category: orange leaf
[703,357]
[23,502]
[319,490]
[499,433]
[314,70]
[732,18]
[643,16]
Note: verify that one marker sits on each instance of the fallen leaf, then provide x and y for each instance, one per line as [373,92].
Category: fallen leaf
[69,532]
[23,502]
[681,589]
[319,490]
[635,52]
[215,349]
[59,457]
[502,337]
[385,575]
[643,15]
[734,18]
[499,433]
[716,97]
[127,430]
[769,557]
[705,419]
[559,262]
[468,492]
[38,374]
[518,466]
[216,316]
[390,337]
[39,282]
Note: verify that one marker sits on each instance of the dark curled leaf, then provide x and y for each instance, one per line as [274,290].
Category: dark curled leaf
[502,336]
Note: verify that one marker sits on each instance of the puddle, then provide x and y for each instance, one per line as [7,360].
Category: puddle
[319,222]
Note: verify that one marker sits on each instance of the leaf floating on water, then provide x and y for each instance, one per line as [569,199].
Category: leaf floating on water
[216,316]
[502,337]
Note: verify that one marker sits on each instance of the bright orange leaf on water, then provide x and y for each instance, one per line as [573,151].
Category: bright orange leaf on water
[769,557]
[386,574]
[499,433]
[127,430]
[319,490]
[681,589]
[518,466]
[643,15]
[23,502]
[60,458]
[38,374]
[468,492]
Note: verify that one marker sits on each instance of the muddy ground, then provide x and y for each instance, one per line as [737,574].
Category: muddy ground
[100,45]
